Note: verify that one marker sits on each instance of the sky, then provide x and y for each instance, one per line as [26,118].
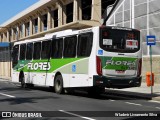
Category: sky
[10,8]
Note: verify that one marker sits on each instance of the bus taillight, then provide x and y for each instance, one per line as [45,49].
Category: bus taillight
[99,66]
[139,67]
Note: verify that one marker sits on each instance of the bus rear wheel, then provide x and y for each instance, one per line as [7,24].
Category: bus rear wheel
[58,84]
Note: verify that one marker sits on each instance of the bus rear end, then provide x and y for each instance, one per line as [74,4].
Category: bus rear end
[119,58]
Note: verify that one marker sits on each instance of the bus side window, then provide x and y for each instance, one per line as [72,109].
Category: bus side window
[57,48]
[22,52]
[85,42]
[70,44]
[15,55]
[37,50]
[46,49]
[29,51]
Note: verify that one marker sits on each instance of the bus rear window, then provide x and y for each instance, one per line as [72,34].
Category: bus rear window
[114,40]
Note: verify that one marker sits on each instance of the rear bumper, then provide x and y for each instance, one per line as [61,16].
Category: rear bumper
[115,82]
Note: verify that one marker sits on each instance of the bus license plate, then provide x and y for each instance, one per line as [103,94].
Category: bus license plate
[120,71]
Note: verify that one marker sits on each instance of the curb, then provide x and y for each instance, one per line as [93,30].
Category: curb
[131,94]
[156,98]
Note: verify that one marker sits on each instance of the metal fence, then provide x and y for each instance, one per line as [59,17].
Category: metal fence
[5,54]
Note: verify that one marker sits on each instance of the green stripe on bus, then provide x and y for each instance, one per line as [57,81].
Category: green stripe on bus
[54,65]
[119,63]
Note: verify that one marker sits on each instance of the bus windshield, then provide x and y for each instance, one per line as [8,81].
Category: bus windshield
[119,40]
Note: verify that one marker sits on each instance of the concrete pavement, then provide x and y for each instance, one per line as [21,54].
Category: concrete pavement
[143,92]
[56,106]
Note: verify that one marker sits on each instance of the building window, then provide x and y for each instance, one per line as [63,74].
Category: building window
[10,34]
[5,34]
[69,13]
[35,22]
[27,29]
[86,9]
[14,34]
[21,29]
[44,18]
[55,18]
[1,37]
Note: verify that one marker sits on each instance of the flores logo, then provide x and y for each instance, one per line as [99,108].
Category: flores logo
[127,63]
[131,64]
[40,66]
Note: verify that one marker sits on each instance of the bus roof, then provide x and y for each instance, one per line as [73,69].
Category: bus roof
[29,40]
[70,32]
[56,35]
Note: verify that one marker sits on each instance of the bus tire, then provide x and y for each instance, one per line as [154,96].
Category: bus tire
[58,84]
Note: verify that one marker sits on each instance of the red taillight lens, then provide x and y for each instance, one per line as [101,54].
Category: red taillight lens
[139,67]
[99,66]
[105,34]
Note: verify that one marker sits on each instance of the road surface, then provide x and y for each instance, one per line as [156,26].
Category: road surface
[43,102]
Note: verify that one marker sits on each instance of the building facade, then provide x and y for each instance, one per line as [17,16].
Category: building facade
[47,16]
[143,15]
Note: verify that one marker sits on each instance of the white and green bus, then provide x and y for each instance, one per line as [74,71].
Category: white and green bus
[92,58]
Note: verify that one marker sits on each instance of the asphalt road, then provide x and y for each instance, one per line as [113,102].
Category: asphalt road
[78,106]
